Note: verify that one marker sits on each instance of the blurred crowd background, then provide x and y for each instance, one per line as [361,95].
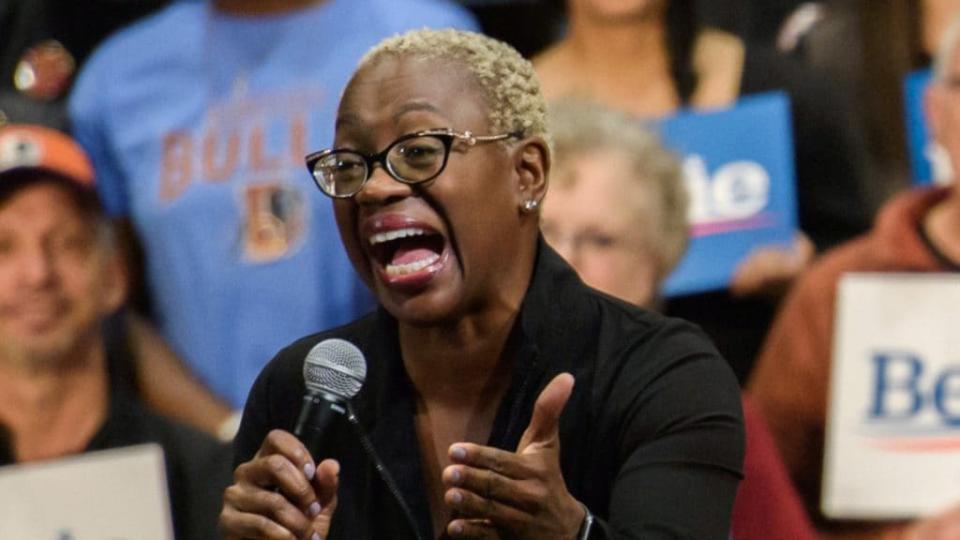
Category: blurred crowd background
[842,62]
[865,49]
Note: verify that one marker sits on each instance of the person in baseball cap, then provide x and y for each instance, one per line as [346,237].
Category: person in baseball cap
[61,278]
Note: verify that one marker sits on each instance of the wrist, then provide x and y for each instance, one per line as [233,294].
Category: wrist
[586,526]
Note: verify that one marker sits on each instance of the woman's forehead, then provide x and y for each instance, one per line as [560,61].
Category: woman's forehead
[397,85]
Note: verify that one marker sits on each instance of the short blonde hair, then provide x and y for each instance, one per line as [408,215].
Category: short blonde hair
[582,128]
[507,79]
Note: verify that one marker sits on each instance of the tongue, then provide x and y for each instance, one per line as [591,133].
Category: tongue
[411,254]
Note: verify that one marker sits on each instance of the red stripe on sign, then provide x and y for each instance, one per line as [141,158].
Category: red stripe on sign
[938,444]
[709,228]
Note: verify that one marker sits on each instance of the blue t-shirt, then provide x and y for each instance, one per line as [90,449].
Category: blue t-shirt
[197,123]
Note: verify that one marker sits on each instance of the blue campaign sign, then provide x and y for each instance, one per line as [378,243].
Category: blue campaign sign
[739,170]
[918,138]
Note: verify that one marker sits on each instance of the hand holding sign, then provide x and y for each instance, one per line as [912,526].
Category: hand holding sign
[770,270]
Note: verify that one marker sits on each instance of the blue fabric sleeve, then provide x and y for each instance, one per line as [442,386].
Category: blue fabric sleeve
[89,118]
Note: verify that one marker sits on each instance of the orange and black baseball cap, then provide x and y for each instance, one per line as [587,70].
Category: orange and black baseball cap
[28,148]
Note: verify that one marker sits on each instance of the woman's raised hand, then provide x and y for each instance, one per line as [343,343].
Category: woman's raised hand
[280,494]
[522,495]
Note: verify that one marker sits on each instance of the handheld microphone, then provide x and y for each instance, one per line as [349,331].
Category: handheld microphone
[333,373]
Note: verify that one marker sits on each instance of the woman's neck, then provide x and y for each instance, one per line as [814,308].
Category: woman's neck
[460,375]
[627,65]
[261,7]
[624,65]
[640,45]
[56,410]
[457,365]
[455,361]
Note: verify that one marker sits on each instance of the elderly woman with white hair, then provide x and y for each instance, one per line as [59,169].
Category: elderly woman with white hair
[617,207]
[469,424]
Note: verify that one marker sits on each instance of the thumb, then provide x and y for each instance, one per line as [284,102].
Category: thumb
[545,422]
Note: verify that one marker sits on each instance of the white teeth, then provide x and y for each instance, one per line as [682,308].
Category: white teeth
[393,235]
[409,268]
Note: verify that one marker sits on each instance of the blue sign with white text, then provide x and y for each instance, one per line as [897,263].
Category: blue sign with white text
[739,170]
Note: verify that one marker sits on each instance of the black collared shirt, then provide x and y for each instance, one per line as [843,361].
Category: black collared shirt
[651,439]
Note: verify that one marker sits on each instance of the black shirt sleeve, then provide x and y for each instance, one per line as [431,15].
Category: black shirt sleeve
[681,440]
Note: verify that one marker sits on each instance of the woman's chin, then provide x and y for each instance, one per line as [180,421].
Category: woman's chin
[433,309]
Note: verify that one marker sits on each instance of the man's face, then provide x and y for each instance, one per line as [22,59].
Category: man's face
[456,236]
[57,279]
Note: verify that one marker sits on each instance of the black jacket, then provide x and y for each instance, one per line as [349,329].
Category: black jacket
[652,437]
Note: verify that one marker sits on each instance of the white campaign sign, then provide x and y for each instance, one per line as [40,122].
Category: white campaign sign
[893,429]
[116,494]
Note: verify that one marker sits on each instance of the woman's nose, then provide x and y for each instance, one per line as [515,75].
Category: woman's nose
[382,188]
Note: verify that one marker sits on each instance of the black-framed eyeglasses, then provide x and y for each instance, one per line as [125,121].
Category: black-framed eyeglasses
[412,159]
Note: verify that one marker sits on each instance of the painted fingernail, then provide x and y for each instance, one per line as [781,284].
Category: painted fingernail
[314,509]
[457,497]
[309,469]
[459,452]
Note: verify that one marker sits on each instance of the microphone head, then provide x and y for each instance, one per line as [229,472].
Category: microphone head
[335,367]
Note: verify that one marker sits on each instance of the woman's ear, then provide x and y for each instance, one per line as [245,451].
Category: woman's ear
[532,165]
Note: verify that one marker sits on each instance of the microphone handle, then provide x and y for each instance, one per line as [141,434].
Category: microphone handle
[316,414]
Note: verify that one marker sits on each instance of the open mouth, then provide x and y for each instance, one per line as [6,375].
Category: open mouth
[408,251]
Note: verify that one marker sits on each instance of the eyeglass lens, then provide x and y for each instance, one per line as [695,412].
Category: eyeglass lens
[412,160]
[340,173]
[417,159]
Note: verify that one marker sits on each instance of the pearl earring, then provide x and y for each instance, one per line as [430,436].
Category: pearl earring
[531,205]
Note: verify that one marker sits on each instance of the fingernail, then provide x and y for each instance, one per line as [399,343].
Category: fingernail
[314,509]
[459,452]
[309,470]
[456,476]
[456,527]
[457,497]
[316,536]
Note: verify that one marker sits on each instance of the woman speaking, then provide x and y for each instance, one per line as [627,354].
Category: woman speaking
[503,398]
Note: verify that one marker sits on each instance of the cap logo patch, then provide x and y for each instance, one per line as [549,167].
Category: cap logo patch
[44,71]
[18,150]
